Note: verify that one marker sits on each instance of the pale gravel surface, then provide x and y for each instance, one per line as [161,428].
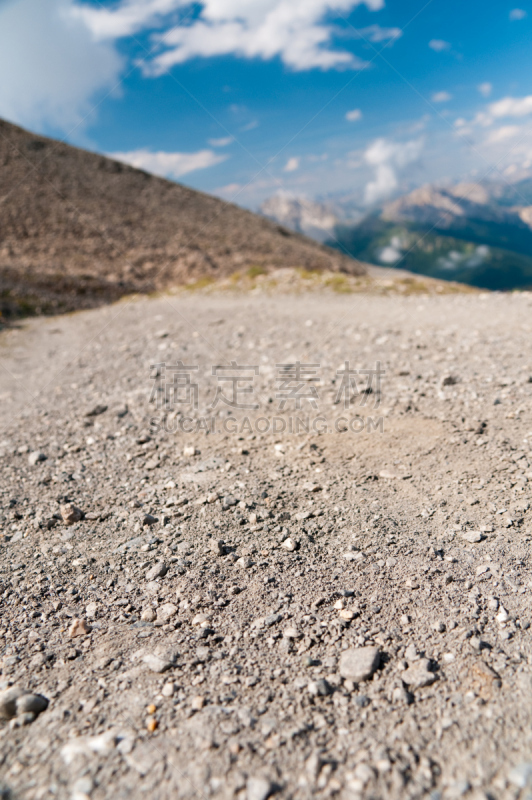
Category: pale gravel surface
[254,700]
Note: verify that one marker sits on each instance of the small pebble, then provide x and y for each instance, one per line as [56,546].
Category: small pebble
[70,513]
[289,544]
[78,627]
[35,457]
[217,546]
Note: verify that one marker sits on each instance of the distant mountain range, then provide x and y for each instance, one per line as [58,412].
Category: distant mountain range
[480,234]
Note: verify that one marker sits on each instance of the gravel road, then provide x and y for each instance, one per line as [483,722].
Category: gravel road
[323,594]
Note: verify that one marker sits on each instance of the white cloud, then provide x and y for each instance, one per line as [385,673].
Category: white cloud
[387,157]
[441,97]
[485,89]
[374,33]
[354,115]
[295,30]
[131,16]
[169,165]
[517,13]
[223,142]
[51,66]
[511,107]
[503,133]
[439,45]
[292,164]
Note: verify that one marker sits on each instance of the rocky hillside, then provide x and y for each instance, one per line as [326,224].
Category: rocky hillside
[78,229]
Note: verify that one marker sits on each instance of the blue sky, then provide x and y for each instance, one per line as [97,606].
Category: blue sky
[247,98]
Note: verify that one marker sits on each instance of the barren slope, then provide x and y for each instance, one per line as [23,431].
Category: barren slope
[77,229]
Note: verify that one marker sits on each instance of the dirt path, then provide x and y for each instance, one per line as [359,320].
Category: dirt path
[338,611]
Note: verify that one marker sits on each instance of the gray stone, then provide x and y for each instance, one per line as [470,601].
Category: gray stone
[272,619]
[473,537]
[319,688]
[217,546]
[31,703]
[96,411]
[521,775]
[359,663]
[419,675]
[35,458]
[8,701]
[166,611]
[70,513]
[148,615]
[158,570]
[289,544]
[156,663]
[258,789]
[91,610]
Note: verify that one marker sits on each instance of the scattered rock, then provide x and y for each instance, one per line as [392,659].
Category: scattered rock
[8,702]
[319,688]
[70,513]
[291,633]
[96,411]
[217,546]
[148,615]
[158,570]
[289,544]
[258,789]
[16,702]
[78,627]
[91,610]
[359,663]
[521,775]
[166,611]
[347,614]
[419,675]
[35,458]
[201,619]
[156,663]
[31,704]
[473,537]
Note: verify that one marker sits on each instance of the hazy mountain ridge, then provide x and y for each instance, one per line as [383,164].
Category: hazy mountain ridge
[477,233]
